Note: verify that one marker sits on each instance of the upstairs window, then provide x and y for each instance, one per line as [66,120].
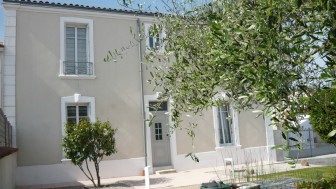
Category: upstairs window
[154,37]
[76,47]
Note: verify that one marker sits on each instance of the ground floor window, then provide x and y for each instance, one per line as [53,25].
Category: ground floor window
[77,107]
[225,131]
[75,113]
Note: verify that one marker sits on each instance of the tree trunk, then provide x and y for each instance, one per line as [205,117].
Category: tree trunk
[97,171]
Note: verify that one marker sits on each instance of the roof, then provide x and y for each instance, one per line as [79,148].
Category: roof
[77,6]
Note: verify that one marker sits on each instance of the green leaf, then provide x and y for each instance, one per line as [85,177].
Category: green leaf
[241,97]
[332,133]
[276,147]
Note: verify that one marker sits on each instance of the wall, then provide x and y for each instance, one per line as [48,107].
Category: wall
[252,130]
[39,89]
[7,171]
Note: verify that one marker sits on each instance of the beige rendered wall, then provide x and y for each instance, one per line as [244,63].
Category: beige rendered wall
[252,130]
[205,134]
[7,171]
[39,89]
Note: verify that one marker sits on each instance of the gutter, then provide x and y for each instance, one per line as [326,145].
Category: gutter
[142,92]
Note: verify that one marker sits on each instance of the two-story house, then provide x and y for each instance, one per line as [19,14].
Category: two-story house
[53,72]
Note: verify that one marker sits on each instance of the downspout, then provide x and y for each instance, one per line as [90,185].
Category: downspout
[142,91]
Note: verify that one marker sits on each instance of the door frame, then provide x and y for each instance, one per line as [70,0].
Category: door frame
[173,150]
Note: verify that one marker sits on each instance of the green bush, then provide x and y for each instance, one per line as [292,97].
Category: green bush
[322,111]
[89,141]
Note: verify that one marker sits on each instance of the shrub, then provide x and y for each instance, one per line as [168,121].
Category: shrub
[89,141]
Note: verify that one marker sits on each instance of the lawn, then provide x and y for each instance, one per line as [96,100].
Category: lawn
[315,173]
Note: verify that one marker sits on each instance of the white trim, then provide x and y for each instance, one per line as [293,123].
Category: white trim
[89,23]
[173,150]
[215,158]
[269,137]
[77,76]
[66,172]
[8,68]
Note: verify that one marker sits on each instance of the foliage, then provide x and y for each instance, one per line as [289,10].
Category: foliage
[258,52]
[271,53]
[322,111]
[321,184]
[89,141]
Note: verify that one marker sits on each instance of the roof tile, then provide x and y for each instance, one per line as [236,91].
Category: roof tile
[65,5]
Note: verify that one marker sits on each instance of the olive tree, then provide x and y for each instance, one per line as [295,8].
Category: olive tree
[322,111]
[271,53]
[88,141]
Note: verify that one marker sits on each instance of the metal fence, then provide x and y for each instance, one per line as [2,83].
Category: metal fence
[5,131]
[312,146]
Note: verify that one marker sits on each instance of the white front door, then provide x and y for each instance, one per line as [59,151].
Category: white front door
[160,140]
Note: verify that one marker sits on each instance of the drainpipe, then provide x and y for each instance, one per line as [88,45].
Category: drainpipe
[142,92]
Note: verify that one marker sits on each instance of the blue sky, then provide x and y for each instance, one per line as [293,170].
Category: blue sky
[100,3]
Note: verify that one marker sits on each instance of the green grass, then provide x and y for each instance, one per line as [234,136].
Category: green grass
[308,173]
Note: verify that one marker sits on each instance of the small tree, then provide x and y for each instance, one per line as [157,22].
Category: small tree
[323,114]
[89,141]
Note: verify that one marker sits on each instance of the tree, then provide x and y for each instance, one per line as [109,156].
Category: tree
[322,111]
[271,53]
[89,141]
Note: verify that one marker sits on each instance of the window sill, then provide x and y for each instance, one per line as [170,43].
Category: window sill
[77,76]
[156,52]
[64,160]
[228,147]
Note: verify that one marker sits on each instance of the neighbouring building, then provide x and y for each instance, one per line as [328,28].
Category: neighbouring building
[53,72]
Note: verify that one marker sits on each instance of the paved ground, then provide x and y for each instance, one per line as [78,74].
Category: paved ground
[187,179]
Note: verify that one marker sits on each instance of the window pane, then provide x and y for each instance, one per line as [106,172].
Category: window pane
[151,42]
[224,126]
[81,50]
[71,120]
[220,129]
[81,33]
[83,111]
[158,131]
[157,41]
[70,32]
[71,111]
[70,51]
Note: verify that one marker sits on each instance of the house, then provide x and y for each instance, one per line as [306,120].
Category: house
[53,72]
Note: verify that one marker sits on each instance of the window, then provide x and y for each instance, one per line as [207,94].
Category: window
[75,113]
[154,41]
[76,47]
[77,107]
[224,125]
[158,106]
[158,131]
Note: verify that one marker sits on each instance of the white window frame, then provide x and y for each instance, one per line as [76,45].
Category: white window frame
[234,125]
[77,99]
[162,35]
[79,21]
